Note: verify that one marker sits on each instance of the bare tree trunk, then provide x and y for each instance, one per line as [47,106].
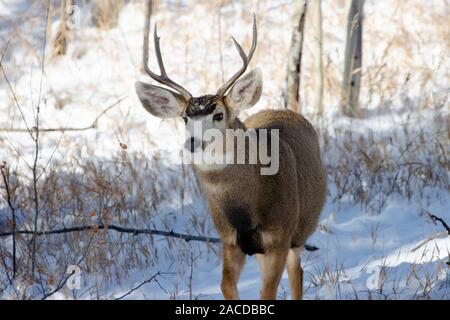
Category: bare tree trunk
[318,55]
[61,39]
[351,82]
[292,90]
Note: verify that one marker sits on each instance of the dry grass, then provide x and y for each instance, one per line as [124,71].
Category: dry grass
[128,191]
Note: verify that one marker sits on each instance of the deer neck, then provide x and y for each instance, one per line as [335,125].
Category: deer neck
[238,125]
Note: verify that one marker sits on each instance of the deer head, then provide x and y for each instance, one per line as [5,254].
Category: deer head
[214,111]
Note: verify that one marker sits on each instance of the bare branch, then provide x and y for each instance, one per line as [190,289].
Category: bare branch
[59,287]
[93,125]
[10,280]
[5,50]
[64,280]
[133,231]
[36,146]
[140,285]
[444,224]
[4,173]
[16,101]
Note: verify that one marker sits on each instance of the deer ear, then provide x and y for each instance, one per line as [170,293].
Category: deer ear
[160,102]
[246,92]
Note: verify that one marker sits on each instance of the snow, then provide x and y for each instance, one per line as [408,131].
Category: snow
[366,249]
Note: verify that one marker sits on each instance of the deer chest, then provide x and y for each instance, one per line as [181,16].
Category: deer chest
[248,236]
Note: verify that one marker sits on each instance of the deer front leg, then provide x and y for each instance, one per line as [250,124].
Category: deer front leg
[295,273]
[233,262]
[274,261]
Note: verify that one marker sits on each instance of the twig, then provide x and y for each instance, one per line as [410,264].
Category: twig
[18,153]
[66,129]
[36,146]
[59,287]
[16,101]
[10,281]
[5,50]
[4,173]
[52,154]
[153,277]
[64,280]
[92,126]
[444,224]
[191,274]
[446,232]
[12,90]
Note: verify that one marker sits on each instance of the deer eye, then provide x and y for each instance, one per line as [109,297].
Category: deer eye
[218,117]
[185,120]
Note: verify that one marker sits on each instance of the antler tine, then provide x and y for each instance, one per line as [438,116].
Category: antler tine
[158,53]
[163,78]
[245,60]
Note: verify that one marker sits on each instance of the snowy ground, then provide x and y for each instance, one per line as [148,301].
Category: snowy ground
[374,218]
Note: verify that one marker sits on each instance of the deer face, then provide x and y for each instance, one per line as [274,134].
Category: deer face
[209,112]
[200,114]
[203,114]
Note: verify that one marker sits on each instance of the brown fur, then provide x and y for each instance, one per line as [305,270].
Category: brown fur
[295,273]
[283,209]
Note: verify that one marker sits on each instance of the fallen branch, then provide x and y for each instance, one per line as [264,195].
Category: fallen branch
[133,231]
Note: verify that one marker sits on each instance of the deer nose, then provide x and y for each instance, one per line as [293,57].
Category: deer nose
[192,144]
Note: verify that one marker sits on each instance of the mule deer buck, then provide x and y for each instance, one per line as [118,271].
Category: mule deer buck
[270,216]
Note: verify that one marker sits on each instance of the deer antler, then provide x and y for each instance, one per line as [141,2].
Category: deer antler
[163,78]
[245,58]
